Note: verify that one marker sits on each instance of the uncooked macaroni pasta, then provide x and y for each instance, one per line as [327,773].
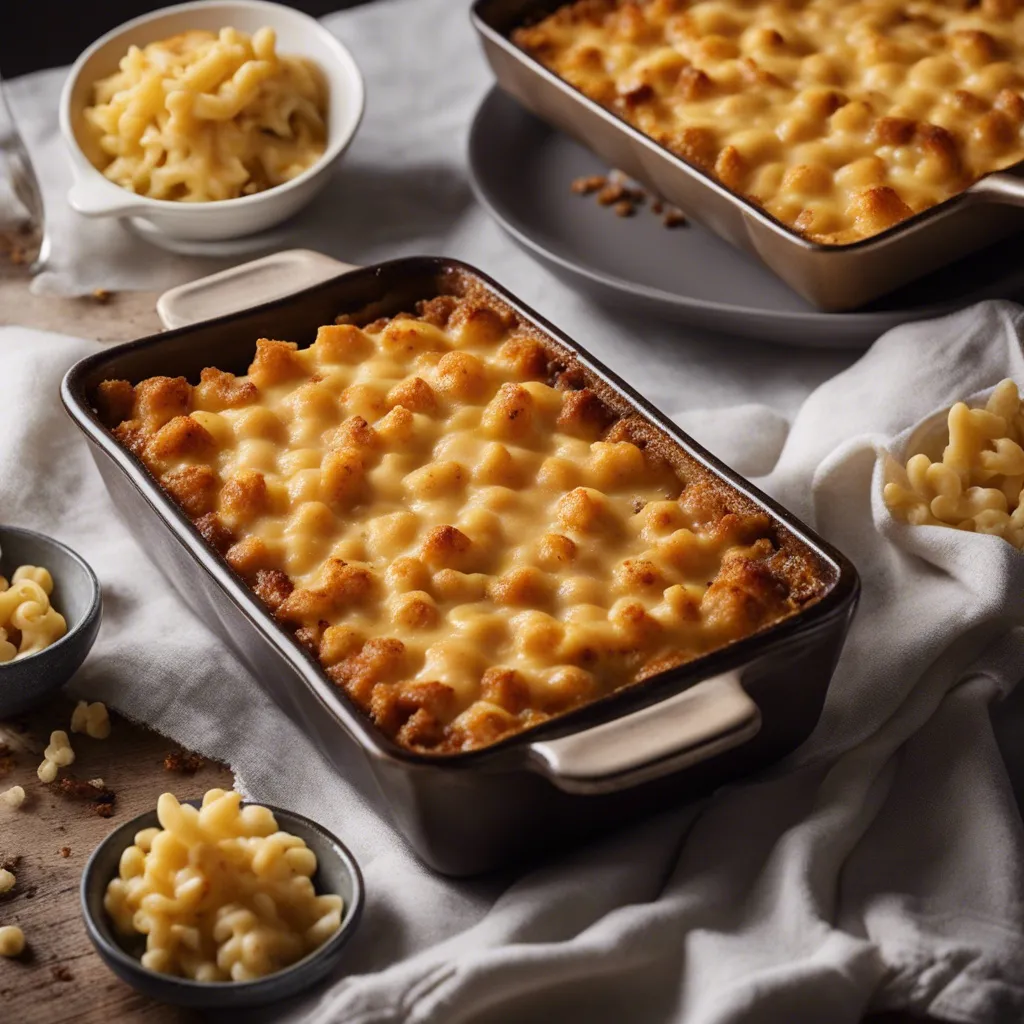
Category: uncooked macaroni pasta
[839,118]
[28,622]
[220,892]
[456,523]
[204,116]
[975,483]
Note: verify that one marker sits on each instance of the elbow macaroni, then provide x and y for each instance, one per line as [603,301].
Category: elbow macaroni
[92,719]
[57,755]
[220,893]
[12,941]
[839,118]
[976,483]
[202,117]
[28,622]
[13,797]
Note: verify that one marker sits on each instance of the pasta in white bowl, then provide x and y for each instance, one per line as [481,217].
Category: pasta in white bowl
[208,121]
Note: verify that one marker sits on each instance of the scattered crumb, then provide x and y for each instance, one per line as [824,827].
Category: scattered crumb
[102,296]
[625,197]
[6,759]
[75,789]
[611,194]
[10,864]
[97,784]
[31,891]
[591,183]
[65,852]
[183,762]
[61,973]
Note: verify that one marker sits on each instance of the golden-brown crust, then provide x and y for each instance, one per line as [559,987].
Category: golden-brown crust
[114,400]
[454,631]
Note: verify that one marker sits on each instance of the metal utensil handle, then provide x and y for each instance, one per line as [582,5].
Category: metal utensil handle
[711,717]
[1002,187]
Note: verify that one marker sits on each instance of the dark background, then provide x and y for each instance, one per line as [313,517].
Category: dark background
[47,33]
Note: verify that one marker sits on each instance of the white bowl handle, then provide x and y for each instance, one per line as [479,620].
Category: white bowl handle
[708,718]
[102,199]
[248,284]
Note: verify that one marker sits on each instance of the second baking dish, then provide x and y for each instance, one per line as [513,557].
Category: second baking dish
[831,276]
[688,725]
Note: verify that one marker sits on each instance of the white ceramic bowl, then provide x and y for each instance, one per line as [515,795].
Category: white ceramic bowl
[94,196]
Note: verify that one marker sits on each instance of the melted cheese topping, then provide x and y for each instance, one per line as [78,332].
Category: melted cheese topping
[840,119]
[463,532]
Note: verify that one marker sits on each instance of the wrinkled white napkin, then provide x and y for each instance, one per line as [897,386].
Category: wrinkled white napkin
[881,867]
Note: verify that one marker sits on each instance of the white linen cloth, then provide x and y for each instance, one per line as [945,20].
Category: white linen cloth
[881,866]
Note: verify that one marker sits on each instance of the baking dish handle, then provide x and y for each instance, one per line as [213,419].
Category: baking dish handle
[1002,187]
[246,285]
[707,719]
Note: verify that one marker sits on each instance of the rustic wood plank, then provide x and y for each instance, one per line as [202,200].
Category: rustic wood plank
[60,961]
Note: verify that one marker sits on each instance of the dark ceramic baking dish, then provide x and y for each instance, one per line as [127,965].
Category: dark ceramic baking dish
[831,277]
[676,735]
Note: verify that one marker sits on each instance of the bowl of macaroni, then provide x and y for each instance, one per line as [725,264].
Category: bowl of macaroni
[208,121]
[219,904]
[50,610]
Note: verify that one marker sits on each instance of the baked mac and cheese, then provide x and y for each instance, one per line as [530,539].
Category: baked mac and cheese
[220,892]
[456,522]
[204,116]
[839,118]
[28,622]
[975,483]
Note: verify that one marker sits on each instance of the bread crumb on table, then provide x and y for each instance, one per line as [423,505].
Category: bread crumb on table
[183,762]
[102,799]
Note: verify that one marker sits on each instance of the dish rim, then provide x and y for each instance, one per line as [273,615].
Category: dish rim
[332,947]
[842,590]
[141,204]
[909,225]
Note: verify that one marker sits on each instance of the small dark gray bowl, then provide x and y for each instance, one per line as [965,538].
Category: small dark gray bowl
[76,595]
[337,872]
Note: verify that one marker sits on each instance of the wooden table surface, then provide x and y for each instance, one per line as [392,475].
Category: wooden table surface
[60,978]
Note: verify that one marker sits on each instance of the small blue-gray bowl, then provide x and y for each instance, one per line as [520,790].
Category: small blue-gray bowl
[27,681]
[337,872]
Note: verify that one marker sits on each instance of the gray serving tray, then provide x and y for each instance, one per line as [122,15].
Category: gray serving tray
[687,274]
